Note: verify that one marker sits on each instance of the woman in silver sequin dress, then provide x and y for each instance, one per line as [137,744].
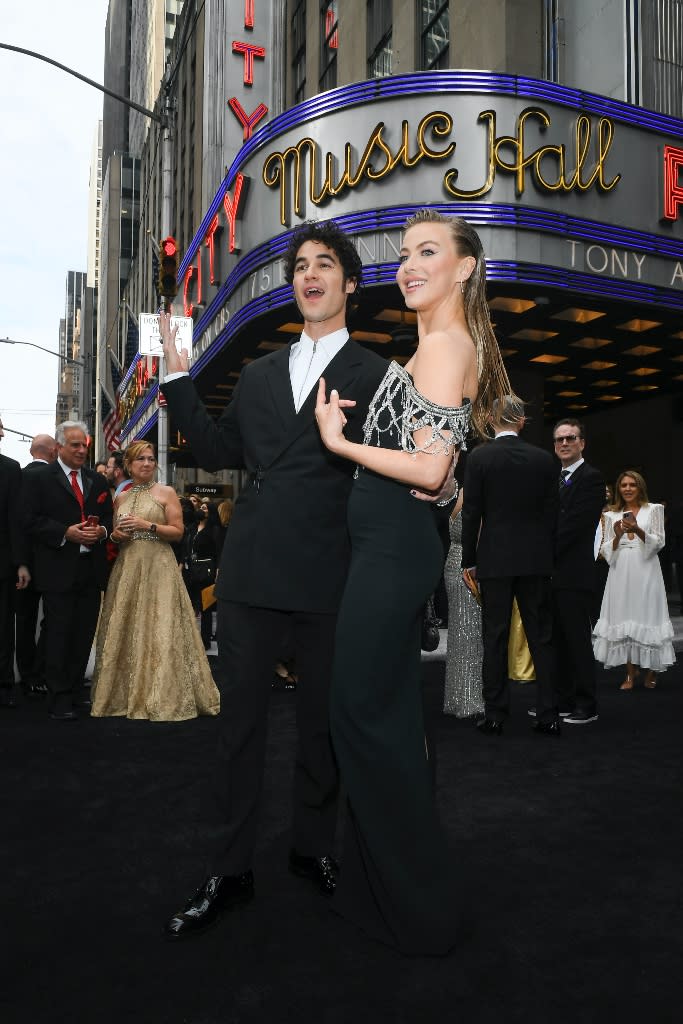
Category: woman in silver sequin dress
[398,881]
[463,685]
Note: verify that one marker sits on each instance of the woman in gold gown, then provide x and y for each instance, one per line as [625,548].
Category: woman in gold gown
[150,660]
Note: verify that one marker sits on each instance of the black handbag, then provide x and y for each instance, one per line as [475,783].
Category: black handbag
[430,627]
[202,571]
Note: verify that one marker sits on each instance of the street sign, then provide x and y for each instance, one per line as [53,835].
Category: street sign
[150,340]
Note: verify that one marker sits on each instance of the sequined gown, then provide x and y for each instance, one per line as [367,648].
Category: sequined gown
[462,690]
[150,660]
[397,879]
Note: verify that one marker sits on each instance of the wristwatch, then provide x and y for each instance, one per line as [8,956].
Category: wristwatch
[152,527]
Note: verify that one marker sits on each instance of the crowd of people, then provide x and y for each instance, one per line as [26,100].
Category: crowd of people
[331,552]
[72,535]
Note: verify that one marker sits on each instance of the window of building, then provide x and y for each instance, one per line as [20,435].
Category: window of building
[379,25]
[551,23]
[434,35]
[328,44]
[299,51]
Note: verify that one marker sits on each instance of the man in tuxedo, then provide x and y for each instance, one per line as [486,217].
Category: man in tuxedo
[508,528]
[31,653]
[14,572]
[284,564]
[68,514]
[575,578]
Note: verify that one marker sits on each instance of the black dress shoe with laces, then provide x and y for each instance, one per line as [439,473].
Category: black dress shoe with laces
[215,895]
[547,728]
[489,727]
[321,870]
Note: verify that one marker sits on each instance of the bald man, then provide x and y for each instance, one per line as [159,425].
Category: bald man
[31,651]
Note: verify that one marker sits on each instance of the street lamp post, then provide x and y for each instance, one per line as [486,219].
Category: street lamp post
[63,358]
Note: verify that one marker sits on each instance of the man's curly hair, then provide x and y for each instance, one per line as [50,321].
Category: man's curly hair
[329,234]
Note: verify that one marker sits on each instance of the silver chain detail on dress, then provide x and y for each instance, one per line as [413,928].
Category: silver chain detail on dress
[398,410]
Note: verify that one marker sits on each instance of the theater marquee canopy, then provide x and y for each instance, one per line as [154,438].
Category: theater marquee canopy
[576,197]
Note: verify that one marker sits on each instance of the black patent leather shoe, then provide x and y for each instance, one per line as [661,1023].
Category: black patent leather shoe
[321,870]
[63,716]
[489,727]
[547,728]
[215,895]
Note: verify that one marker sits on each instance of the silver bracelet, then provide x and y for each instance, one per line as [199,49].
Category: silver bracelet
[447,501]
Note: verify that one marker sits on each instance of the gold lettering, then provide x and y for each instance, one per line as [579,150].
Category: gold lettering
[451,176]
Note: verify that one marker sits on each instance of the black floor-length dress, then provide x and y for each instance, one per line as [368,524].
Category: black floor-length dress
[398,874]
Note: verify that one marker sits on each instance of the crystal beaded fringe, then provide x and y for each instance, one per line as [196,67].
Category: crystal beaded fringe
[399,410]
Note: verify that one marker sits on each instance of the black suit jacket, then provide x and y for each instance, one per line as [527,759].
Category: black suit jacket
[50,507]
[12,544]
[581,502]
[511,490]
[287,545]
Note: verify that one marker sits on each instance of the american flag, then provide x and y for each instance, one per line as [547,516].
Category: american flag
[111,425]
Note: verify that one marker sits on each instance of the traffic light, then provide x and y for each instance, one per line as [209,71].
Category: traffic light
[169,261]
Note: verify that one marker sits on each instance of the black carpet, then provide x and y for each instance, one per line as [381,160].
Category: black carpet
[570,851]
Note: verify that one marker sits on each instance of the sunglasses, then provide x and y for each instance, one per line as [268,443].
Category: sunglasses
[566,437]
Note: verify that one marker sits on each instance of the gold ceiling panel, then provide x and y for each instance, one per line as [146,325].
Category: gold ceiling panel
[271,346]
[562,378]
[376,337]
[576,405]
[548,358]
[577,316]
[527,334]
[646,387]
[643,371]
[609,398]
[291,328]
[598,364]
[506,352]
[641,350]
[591,343]
[568,394]
[508,304]
[639,325]
[397,316]
[604,383]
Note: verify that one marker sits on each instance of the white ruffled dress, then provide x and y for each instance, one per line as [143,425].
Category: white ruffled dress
[634,623]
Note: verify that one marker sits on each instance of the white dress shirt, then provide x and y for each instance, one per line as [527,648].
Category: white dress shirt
[308,360]
[568,470]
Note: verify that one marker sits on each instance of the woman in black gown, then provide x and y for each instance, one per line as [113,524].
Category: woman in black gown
[398,878]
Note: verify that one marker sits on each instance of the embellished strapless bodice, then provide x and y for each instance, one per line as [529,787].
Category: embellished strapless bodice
[398,410]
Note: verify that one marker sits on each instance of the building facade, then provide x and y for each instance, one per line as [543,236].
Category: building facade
[529,119]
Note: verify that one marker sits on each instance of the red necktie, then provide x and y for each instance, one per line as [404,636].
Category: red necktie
[78,492]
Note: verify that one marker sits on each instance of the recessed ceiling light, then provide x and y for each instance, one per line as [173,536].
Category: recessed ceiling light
[397,316]
[641,350]
[577,316]
[591,342]
[609,398]
[604,383]
[575,405]
[643,371]
[647,387]
[598,364]
[562,378]
[639,325]
[527,334]
[547,358]
[374,336]
[568,394]
[508,304]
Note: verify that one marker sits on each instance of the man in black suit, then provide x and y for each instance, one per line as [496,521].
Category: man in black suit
[284,564]
[575,578]
[31,653]
[508,527]
[14,572]
[68,512]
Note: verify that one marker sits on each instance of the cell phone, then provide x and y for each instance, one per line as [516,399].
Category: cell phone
[627,515]
[92,521]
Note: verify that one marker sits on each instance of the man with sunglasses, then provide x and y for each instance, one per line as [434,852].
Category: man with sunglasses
[582,495]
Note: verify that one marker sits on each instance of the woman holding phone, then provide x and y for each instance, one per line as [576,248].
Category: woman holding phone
[150,661]
[634,628]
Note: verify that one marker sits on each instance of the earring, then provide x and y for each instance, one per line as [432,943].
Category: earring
[462,287]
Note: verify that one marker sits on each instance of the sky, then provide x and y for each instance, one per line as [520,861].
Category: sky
[49,121]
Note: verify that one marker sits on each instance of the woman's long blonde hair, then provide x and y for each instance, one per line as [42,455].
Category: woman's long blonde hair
[494,382]
[619,503]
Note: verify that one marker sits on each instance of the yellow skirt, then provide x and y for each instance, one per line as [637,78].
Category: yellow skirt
[520,664]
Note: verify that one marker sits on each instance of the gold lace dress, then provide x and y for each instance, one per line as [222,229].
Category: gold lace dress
[150,660]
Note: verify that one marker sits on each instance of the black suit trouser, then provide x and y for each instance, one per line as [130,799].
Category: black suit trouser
[572,636]
[30,653]
[250,641]
[7,589]
[70,623]
[534,600]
